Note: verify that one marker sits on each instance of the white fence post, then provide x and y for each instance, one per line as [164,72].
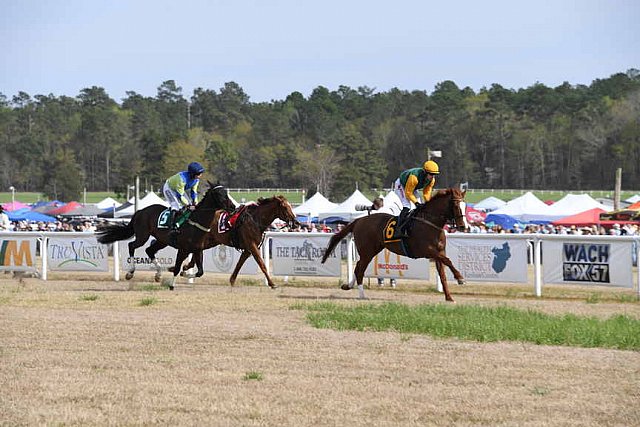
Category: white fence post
[116,262]
[44,241]
[537,264]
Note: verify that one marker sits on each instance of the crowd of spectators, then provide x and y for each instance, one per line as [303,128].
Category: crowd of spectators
[87,225]
[615,230]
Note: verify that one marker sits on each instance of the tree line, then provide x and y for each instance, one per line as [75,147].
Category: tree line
[570,137]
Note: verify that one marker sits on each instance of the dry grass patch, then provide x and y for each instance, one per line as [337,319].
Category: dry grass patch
[193,358]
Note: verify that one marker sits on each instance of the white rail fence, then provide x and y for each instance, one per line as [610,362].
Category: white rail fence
[490,258]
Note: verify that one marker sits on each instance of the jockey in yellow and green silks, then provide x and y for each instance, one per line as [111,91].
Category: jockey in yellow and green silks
[407,185]
[181,190]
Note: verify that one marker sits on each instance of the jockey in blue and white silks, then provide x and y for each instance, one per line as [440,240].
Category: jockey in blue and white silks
[181,189]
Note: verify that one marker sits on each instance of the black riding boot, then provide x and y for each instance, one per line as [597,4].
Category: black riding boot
[401,231]
[173,223]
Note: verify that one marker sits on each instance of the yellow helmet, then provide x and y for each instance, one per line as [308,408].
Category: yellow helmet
[431,167]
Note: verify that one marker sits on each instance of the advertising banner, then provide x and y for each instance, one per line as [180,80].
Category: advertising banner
[17,253]
[489,260]
[391,265]
[585,262]
[223,259]
[300,255]
[77,254]
[166,257]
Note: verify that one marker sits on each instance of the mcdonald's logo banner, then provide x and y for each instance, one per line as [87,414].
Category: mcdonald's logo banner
[18,254]
[392,265]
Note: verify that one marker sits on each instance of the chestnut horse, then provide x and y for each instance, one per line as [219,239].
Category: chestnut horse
[144,223]
[247,233]
[427,238]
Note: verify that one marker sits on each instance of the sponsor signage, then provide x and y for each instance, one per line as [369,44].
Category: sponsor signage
[490,260]
[392,265]
[77,254]
[584,262]
[223,259]
[17,254]
[166,257]
[300,255]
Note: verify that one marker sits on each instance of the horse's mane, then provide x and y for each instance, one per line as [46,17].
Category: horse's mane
[440,194]
[267,200]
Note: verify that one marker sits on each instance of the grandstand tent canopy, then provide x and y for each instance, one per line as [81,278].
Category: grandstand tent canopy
[346,211]
[312,207]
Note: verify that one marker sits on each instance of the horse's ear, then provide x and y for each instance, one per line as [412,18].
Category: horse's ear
[210,184]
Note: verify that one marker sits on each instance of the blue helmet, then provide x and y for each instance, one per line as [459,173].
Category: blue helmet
[195,168]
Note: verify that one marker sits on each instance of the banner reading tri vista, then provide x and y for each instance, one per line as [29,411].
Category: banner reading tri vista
[77,254]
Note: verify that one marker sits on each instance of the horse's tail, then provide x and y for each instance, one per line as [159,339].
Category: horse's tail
[335,239]
[115,232]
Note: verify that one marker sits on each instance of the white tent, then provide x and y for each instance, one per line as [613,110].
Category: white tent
[107,203]
[572,204]
[633,199]
[526,208]
[346,211]
[314,205]
[489,204]
[150,199]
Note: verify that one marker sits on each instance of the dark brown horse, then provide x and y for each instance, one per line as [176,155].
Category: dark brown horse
[426,239]
[144,223]
[249,230]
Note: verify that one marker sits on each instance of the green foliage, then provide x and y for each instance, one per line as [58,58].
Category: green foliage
[485,324]
[567,137]
[253,376]
[147,301]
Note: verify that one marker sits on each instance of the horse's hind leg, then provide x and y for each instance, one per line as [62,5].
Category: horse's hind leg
[358,273]
[132,249]
[243,257]
[151,251]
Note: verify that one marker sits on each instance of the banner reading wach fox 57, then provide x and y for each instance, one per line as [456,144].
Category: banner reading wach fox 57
[588,262]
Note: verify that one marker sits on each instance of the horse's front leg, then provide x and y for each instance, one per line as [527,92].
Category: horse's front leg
[443,279]
[447,261]
[256,255]
[197,258]
[243,257]
[180,257]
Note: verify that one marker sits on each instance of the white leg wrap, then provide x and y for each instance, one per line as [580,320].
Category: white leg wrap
[361,291]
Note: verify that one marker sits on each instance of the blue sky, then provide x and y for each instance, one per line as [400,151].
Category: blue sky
[274,47]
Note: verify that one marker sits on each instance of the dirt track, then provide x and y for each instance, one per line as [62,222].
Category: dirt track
[191,358]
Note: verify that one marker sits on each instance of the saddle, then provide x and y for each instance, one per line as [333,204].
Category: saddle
[164,219]
[228,220]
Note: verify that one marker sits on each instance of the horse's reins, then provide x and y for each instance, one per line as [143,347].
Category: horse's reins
[437,227]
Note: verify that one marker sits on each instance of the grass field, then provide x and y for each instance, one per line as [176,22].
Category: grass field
[473,195]
[83,350]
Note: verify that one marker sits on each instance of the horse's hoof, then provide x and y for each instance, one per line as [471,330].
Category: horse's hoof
[183,274]
[273,286]
[461,282]
[128,276]
[157,278]
[170,287]
[345,287]
[199,274]
[170,269]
